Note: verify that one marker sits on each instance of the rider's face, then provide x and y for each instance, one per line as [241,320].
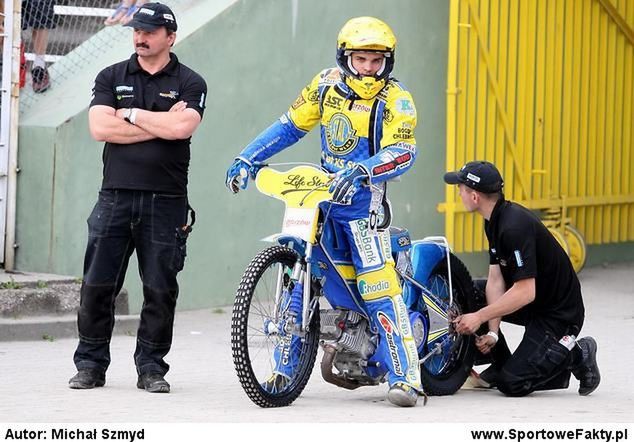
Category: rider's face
[367,63]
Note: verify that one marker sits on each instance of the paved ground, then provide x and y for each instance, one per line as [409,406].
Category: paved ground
[205,387]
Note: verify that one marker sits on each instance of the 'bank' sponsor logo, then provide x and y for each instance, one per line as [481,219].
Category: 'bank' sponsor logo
[365,242]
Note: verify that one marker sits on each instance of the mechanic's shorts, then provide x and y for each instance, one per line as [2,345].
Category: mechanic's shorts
[38,14]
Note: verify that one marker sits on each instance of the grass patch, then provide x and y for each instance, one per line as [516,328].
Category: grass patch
[11,284]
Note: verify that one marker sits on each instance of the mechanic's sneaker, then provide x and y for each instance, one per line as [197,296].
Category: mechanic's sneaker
[153,383]
[41,79]
[276,383]
[87,378]
[402,395]
[587,371]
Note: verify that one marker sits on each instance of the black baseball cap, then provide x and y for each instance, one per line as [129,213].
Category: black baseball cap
[478,175]
[152,16]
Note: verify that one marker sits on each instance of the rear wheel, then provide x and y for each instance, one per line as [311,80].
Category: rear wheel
[254,331]
[445,372]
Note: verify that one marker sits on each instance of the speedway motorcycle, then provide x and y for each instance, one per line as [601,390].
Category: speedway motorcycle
[300,291]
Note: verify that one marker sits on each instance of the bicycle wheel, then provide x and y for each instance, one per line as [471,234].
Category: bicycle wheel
[256,312]
[576,246]
[444,373]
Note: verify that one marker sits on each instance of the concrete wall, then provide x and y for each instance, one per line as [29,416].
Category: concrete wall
[256,55]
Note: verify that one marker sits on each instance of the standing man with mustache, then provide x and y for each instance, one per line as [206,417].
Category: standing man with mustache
[146,110]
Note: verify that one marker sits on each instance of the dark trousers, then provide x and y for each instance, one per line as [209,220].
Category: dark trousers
[540,362]
[121,222]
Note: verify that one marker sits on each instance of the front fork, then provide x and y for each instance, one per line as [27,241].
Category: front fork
[300,304]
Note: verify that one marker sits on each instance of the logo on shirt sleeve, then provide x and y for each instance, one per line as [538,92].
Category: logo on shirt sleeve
[518,258]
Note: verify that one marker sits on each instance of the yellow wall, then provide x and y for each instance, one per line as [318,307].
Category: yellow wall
[544,89]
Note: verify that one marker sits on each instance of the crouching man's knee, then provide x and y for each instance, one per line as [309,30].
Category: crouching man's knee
[513,386]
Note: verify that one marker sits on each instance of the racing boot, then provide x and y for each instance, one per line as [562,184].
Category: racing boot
[402,395]
[276,383]
[397,349]
[587,371]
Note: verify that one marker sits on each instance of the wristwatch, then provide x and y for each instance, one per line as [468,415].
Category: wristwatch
[130,115]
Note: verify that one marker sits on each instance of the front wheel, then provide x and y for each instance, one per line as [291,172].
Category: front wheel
[446,371]
[258,344]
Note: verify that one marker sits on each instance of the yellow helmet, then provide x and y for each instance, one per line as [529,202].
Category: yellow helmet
[365,34]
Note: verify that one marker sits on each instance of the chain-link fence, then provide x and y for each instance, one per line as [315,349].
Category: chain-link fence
[65,26]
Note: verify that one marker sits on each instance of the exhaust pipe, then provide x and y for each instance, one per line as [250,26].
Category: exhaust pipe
[329,376]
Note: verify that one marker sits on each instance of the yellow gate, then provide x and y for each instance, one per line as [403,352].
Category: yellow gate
[544,89]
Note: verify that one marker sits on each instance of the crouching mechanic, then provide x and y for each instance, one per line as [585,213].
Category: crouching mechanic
[531,283]
[367,122]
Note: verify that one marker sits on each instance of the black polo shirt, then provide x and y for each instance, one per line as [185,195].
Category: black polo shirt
[157,165]
[524,248]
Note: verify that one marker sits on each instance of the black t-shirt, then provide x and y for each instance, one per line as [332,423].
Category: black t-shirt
[157,165]
[524,248]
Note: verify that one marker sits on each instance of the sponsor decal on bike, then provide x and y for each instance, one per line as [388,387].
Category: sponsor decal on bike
[303,183]
[404,241]
[340,135]
[390,331]
[365,242]
[296,222]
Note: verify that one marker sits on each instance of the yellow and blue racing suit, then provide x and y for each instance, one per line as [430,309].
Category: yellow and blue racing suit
[378,135]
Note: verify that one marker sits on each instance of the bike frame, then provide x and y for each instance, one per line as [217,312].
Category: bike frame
[303,188]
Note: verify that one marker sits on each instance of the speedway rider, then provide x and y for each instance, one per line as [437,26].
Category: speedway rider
[367,121]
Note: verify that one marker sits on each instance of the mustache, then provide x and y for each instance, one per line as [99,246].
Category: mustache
[142,45]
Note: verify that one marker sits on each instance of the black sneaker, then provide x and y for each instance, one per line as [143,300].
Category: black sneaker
[87,378]
[587,371]
[41,79]
[153,383]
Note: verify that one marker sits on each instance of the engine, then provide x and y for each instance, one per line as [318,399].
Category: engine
[349,342]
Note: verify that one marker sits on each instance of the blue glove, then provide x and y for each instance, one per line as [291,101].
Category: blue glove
[347,183]
[238,175]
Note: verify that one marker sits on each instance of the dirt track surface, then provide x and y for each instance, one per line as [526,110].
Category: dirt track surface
[205,387]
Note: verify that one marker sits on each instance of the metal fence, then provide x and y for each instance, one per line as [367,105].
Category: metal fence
[77,26]
[76,21]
